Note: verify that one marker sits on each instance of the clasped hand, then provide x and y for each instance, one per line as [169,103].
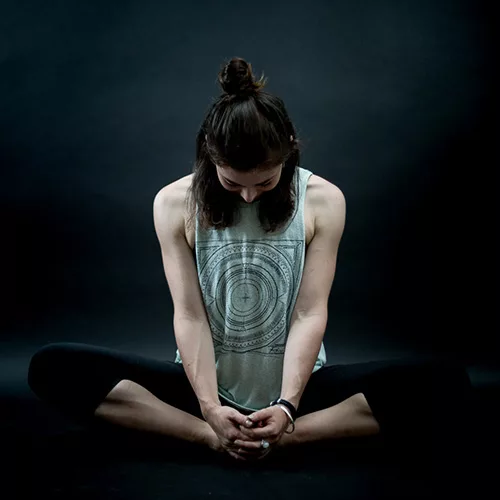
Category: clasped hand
[269,424]
[241,436]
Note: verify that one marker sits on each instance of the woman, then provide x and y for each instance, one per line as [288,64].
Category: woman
[249,244]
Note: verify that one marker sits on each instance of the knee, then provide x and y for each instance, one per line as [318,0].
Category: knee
[44,363]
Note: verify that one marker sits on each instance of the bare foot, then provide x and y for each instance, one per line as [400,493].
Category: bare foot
[285,441]
[212,441]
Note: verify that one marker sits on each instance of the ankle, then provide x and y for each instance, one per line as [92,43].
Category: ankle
[209,438]
[288,439]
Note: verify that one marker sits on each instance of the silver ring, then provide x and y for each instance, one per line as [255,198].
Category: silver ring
[264,444]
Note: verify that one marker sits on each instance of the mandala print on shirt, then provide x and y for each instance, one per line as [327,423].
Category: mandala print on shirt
[248,289]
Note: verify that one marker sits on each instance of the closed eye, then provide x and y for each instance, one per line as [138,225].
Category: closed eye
[235,185]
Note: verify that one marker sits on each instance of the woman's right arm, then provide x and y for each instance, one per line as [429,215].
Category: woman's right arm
[191,326]
[196,347]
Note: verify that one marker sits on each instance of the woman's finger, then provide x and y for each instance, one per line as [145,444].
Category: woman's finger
[235,455]
[250,445]
[245,432]
[258,433]
[252,455]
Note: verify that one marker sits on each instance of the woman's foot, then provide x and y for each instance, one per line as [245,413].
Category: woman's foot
[285,441]
[212,441]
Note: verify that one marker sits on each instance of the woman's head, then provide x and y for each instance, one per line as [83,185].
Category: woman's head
[249,185]
[246,151]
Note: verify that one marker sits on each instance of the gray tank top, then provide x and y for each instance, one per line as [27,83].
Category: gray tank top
[249,282]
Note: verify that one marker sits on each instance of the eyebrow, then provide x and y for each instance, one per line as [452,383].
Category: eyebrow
[236,184]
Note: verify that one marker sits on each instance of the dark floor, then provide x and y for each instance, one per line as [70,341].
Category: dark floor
[47,455]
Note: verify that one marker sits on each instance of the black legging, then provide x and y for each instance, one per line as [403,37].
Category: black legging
[416,401]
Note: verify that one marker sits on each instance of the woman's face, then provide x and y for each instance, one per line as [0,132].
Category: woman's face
[249,185]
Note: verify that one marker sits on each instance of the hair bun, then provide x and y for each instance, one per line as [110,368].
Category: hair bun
[236,78]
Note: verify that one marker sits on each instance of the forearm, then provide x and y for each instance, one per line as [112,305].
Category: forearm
[301,352]
[196,348]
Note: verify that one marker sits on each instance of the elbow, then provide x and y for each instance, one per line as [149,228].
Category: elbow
[318,316]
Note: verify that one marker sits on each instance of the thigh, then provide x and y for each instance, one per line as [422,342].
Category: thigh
[77,377]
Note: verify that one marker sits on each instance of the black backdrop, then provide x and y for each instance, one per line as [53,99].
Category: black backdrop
[100,103]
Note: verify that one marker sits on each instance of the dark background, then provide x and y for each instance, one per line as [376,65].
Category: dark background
[100,103]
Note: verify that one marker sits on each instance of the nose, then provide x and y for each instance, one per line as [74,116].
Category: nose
[248,196]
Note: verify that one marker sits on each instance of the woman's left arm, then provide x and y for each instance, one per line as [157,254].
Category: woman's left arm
[301,352]
[310,315]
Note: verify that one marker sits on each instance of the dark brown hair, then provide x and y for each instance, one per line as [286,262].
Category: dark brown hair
[247,129]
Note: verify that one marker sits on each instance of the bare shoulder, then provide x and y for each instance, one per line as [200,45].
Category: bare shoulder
[176,191]
[172,199]
[328,199]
